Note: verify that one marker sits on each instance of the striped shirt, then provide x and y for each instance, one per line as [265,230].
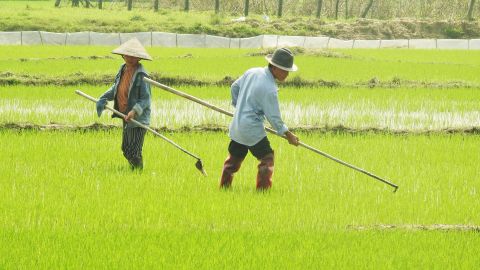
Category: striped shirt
[123,87]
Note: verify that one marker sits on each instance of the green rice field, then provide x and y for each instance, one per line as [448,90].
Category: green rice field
[413,109]
[70,200]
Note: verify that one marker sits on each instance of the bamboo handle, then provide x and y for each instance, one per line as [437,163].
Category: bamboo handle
[176,92]
[136,122]
[192,98]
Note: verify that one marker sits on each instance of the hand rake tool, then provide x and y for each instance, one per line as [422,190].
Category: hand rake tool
[198,164]
[176,92]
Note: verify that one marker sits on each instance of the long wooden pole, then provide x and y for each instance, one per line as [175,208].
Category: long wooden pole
[215,108]
[199,164]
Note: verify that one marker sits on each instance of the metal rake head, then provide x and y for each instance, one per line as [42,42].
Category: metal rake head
[199,166]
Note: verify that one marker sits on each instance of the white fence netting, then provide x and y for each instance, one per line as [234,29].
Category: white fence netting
[11,38]
[79,38]
[474,44]
[394,44]
[366,44]
[160,39]
[452,44]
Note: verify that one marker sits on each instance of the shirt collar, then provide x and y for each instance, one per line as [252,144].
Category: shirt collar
[269,73]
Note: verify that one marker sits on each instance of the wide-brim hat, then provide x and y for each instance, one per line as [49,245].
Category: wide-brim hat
[134,48]
[283,59]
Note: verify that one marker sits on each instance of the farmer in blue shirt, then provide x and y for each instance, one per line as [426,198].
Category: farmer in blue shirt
[255,98]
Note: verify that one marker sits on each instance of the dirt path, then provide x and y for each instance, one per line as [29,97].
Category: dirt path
[436,227]
[21,126]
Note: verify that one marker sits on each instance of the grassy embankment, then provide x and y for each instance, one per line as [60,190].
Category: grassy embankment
[418,19]
[43,16]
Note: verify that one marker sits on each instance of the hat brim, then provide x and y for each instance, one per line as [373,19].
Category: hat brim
[269,59]
[133,48]
[133,54]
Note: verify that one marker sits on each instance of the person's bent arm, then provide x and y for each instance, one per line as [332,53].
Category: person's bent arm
[130,115]
[102,101]
[235,88]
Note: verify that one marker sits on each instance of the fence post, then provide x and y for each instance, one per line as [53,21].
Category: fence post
[100,4]
[319,8]
[129,4]
[187,2]
[280,6]
[155,6]
[246,8]
[217,6]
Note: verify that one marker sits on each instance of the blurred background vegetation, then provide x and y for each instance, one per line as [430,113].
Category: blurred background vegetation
[385,19]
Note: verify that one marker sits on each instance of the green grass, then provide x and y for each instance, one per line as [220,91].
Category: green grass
[436,174]
[86,209]
[115,18]
[416,56]
[14,52]
[210,65]
[241,250]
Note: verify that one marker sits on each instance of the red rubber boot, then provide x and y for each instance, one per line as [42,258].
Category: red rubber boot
[265,172]
[230,167]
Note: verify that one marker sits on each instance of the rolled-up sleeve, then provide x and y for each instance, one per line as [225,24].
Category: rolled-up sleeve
[102,101]
[273,114]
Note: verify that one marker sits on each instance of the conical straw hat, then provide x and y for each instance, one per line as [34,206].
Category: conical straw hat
[134,48]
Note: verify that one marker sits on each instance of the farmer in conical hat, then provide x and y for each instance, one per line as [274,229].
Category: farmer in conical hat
[255,98]
[132,97]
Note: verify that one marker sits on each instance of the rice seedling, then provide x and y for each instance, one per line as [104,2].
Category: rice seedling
[14,52]
[415,56]
[417,109]
[70,199]
[87,209]
[212,67]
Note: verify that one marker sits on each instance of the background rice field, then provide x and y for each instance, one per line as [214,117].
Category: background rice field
[412,109]
[69,199]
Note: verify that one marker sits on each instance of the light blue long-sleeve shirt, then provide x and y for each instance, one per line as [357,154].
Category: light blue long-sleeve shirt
[255,98]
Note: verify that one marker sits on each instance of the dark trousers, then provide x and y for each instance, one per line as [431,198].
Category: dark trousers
[132,141]
[259,150]
[262,151]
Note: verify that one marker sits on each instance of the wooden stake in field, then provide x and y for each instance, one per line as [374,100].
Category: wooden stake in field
[215,108]
[198,164]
